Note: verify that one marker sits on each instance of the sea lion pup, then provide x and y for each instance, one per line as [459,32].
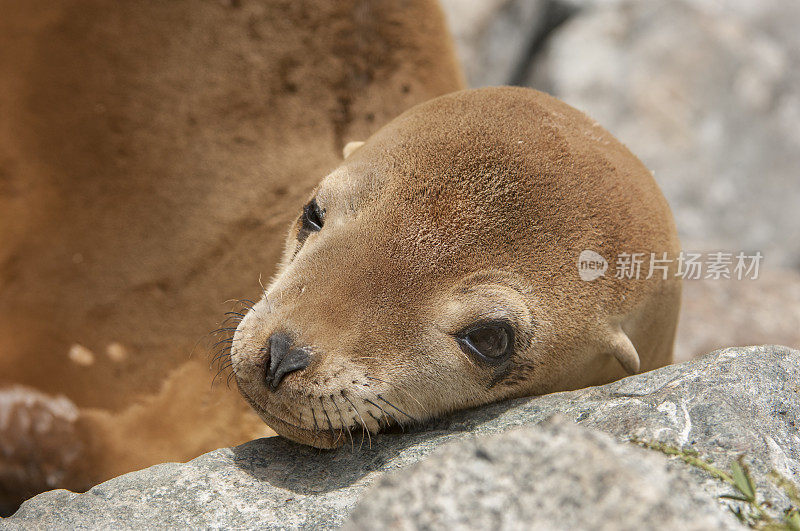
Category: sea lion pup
[437,269]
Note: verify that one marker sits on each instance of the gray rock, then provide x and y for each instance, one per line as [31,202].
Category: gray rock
[742,400]
[553,476]
[706,93]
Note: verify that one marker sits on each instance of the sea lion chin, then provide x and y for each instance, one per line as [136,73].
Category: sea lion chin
[440,267]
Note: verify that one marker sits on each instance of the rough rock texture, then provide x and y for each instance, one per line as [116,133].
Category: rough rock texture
[706,94]
[743,400]
[553,476]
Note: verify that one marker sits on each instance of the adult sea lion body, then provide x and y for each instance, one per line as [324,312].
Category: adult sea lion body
[437,269]
[151,154]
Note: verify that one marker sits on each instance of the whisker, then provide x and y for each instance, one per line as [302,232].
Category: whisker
[374,418]
[223,368]
[222,348]
[316,426]
[229,340]
[330,424]
[397,387]
[200,340]
[249,307]
[232,319]
[363,424]
[242,303]
[386,413]
[346,427]
[397,408]
[223,329]
[219,357]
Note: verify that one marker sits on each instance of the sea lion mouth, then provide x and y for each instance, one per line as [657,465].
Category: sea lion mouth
[321,437]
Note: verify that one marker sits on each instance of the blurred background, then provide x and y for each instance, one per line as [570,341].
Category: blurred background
[153,153]
[707,94]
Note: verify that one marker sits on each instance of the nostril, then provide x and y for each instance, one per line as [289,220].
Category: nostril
[295,360]
[279,345]
[283,359]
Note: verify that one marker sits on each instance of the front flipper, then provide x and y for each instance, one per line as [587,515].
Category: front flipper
[619,344]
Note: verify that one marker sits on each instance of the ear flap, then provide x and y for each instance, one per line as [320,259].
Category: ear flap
[623,350]
[350,147]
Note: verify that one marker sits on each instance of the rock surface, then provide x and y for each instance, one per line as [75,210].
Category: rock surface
[734,401]
[553,476]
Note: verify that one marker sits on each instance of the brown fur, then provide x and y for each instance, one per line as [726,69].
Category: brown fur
[473,205]
[151,153]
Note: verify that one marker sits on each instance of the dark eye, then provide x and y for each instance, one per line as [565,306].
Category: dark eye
[313,217]
[492,341]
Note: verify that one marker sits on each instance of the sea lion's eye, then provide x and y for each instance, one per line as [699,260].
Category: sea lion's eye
[313,217]
[492,341]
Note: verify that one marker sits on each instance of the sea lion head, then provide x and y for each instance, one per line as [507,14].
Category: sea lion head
[435,270]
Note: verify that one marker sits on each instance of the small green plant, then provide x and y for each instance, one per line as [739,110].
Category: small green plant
[753,510]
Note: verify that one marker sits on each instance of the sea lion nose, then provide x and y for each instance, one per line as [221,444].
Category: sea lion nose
[284,359]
